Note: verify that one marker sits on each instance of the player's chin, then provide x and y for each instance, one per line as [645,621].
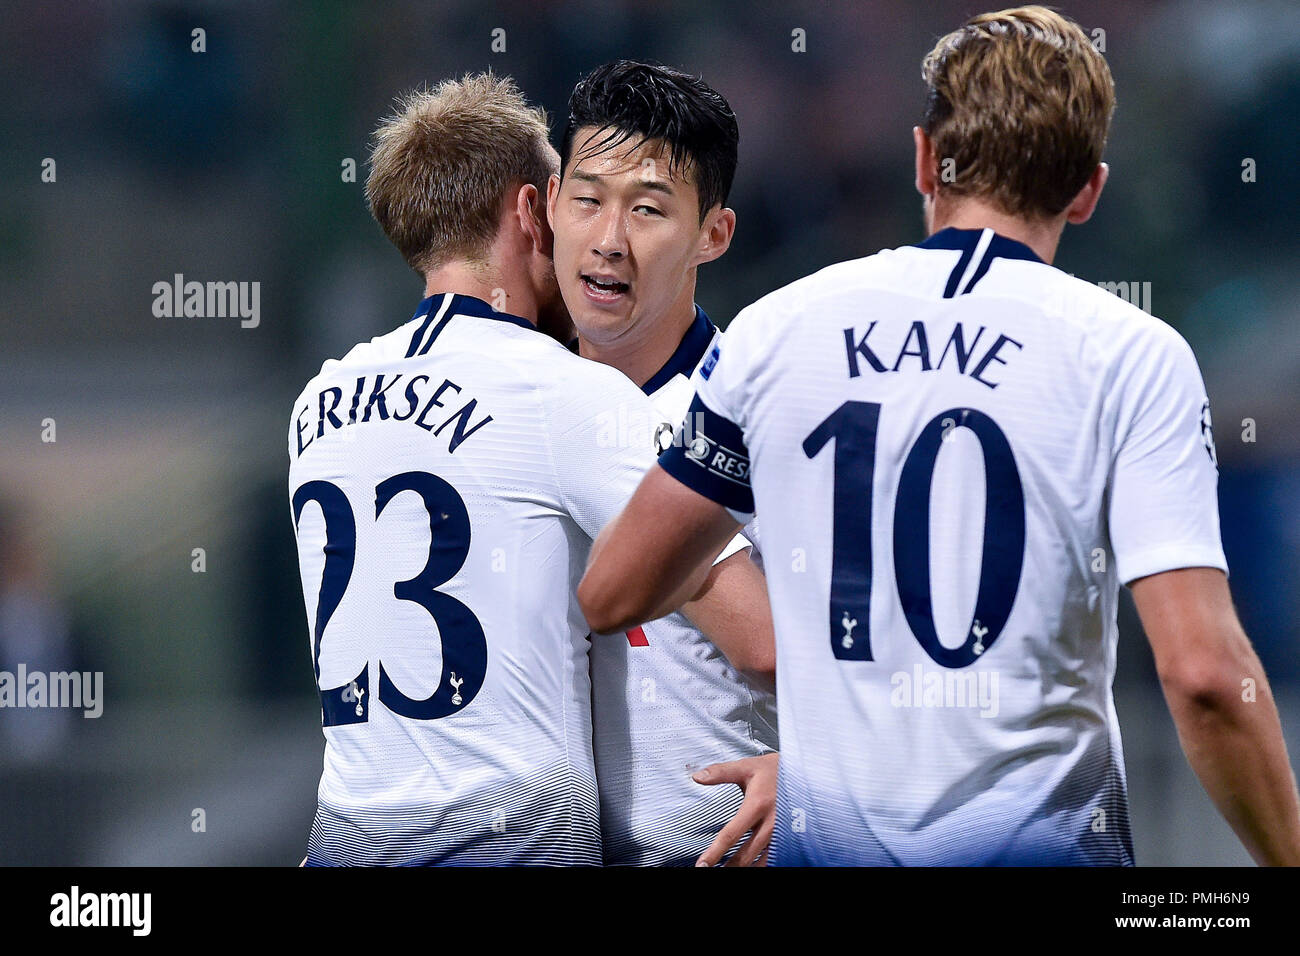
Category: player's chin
[600,324]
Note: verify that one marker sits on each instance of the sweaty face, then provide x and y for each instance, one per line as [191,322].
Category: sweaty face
[626,235]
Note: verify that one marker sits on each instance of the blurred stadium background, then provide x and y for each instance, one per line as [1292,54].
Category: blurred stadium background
[227,165]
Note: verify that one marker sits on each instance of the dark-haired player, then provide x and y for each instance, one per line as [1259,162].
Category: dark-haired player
[975,450]
[647,159]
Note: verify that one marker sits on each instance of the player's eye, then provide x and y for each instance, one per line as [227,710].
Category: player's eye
[649,209]
[589,201]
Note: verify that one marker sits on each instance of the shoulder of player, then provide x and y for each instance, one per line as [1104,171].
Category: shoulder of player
[1130,352]
[313,385]
[566,378]
[1116,326]
[359,354]
[803,294]
[764,327]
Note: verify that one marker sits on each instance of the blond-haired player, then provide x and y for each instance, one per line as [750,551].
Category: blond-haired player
[974,450]
[446,480]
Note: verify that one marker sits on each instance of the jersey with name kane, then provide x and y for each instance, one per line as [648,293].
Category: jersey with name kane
[967,451]
[446,482]
[666,701]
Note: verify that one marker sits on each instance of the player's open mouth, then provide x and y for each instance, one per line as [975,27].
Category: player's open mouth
[603,289]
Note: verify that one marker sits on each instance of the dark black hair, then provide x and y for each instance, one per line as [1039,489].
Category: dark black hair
[628,99]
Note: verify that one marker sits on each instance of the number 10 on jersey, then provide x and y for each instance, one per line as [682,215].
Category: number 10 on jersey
[853,426]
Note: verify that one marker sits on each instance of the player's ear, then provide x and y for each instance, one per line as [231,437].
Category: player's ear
[532,220]
[552,194]
[1081,209]
[927,164]
[715,235]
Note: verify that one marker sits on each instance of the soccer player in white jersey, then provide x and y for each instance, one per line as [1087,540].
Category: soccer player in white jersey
[647,159]
[446,480]
[974,451]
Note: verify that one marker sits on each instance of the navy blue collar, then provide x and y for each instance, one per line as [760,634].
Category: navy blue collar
[688,354]
[968,242]
[441,307]
[967,239]
[468,305]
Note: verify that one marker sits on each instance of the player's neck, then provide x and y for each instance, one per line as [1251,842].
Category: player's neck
[1042,236]
[646,349]
[484,282]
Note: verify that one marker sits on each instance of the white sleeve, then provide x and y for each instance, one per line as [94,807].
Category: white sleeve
[709,453]
[722,384]
[601,430]
[1164,508]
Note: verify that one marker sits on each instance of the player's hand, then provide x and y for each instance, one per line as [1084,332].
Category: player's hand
[756,776]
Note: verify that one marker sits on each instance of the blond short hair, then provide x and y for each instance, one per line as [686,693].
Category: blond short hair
[445,163]
[1021,101]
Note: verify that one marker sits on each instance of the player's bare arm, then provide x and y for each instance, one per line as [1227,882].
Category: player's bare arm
[1223,707]
[733,611]
[642,567]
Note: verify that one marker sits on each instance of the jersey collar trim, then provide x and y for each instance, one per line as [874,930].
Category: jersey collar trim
[982,245]
[441,307]
[688,354]
[967,239]
[468,305]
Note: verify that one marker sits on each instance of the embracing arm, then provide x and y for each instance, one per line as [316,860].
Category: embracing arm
[643,567]
[732,610]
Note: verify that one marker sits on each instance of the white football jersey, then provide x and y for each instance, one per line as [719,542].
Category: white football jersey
[666,702]
[958,454]
[446,482]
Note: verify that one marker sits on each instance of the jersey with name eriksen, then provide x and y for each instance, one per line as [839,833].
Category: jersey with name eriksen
[666,701]
[972,451]
[446,481]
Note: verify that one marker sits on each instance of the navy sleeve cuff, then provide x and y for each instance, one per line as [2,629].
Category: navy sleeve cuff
[708,455]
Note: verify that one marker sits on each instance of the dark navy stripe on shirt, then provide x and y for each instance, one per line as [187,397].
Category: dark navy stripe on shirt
[688,354]
[460,305]
[966,240]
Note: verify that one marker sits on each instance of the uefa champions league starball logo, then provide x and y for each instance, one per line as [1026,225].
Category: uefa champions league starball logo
[1207,433]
